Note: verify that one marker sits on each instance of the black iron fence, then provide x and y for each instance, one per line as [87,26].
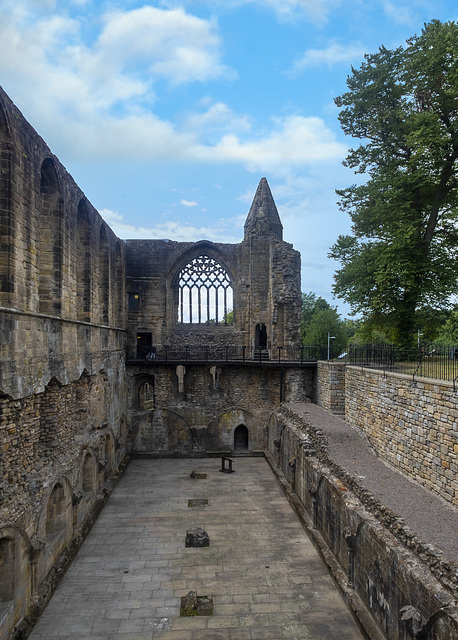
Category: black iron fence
[225,353]
[427,361]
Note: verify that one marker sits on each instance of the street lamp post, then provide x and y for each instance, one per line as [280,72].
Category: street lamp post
[329,341]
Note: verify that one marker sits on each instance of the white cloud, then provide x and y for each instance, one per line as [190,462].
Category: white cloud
[93,101]
[217,117]
[171,230]
[295,140]
[315,10]
[188,203]
[133,50]
[333,54]
[402,14]
[173,44]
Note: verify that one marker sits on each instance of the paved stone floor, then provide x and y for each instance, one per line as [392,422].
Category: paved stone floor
[266,579]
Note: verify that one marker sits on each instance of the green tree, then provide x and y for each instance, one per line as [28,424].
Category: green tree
[448,332]
[318,319]
[403,106]
[326,321]
[310,304]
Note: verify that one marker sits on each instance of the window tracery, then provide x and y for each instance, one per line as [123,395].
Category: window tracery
[205,292]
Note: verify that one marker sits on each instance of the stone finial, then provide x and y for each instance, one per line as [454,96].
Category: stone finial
[263,218]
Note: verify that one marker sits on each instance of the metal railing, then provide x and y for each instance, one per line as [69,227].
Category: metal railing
[225,353]
[426,361]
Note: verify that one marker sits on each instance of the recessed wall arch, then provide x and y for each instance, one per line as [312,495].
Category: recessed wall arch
[15,574]
[221,431]
[104,275]
[88,474]
[163,431]
[50,240]
[56,523]
[109,453]
[122,448]
[84,263]
[56,510]
[119,286]
[7,275]
[145,393]
[7,569]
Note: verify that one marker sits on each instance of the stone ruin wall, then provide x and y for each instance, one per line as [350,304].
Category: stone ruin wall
[63,389]
[214,401]
[379,569]
[265,278]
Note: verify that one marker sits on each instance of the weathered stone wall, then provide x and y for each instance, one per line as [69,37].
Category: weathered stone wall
[202,412]
[63,389]
[376,570]
[412,425]
[265,278]
[329,390]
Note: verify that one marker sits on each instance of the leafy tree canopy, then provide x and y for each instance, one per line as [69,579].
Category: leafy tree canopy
[318,319]
[403,253]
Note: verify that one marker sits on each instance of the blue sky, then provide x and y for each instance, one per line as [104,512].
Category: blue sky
[167,114]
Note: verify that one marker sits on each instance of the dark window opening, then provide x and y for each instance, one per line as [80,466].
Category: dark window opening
[133,301]
[261,337]
[144,344]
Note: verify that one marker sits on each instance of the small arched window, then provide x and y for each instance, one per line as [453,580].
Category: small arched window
[205,292]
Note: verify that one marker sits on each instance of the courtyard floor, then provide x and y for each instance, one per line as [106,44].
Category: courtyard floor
[265,577]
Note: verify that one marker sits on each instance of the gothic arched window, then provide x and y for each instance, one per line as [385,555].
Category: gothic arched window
[205,292]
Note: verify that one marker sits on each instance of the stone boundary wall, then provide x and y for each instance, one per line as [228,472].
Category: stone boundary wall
[329,391]
[377,563]
[411,425]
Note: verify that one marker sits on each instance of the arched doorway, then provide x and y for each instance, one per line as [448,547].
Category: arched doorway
[241,438]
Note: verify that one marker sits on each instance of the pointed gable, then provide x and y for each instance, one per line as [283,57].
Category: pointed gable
[263,218]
